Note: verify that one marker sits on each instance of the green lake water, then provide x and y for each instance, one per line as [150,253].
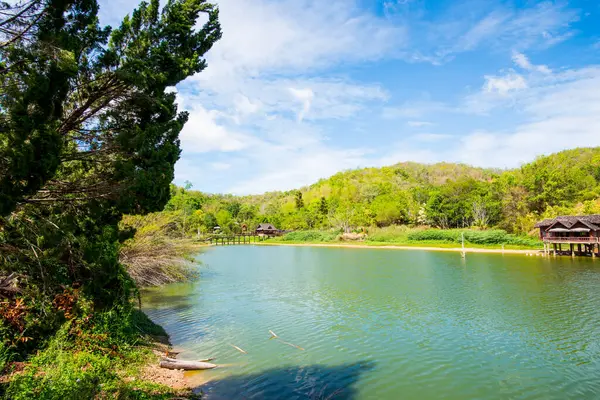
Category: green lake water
[387,324]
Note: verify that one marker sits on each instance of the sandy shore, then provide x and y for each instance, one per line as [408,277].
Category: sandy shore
[182,382]
[394,247]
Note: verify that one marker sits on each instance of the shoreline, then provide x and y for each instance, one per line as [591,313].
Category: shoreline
[399,247]
[174,379]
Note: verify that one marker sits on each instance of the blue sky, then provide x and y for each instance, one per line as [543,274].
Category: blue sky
[298,90]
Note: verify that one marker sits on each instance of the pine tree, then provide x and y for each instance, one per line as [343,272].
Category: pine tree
[323,206]
[88,131]
[299,200]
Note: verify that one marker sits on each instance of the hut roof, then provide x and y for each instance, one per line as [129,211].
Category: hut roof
[591,221]
[545,223]
[266,227]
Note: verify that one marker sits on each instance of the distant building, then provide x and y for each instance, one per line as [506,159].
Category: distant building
[266,229]
[581,230]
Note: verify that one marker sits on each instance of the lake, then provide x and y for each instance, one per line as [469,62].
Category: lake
[387,324]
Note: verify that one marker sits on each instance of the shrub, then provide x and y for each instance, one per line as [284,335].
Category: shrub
[435,235]
[155,255]
[486,237]
[390,234]
[310,236]
[96,356]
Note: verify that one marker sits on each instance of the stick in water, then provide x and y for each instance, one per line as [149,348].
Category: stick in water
[291,344]
[237,348]
[274,336]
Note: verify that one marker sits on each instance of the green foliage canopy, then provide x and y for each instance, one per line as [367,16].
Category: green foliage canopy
[441,195]
[88,131]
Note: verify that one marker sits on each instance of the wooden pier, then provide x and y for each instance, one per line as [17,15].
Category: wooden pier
[236,239]
[575,246]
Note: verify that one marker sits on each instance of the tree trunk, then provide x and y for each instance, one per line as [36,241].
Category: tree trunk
[171,363]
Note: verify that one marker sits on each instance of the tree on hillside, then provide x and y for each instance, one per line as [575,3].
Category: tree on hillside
[341,217]
[561,179]
[443,195]
[323,206]
[196,221]
[210,221]
[247,213]
[421,218]
[234,208]
[224,220]
[89,132]
[299,201]
[480,214]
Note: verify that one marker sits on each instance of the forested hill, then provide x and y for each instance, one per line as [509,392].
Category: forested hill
[445,195]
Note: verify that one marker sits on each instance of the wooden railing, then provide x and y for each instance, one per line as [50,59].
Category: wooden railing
[571,239]
[240,238]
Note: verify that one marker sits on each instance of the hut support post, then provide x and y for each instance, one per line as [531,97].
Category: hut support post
[554,245]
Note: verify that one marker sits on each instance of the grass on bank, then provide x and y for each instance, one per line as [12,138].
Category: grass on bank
[415,237]
[101,354]
[159,252]
[98,357]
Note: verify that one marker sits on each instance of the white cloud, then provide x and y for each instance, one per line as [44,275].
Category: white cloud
[560,110]
[402,152]
[203,133]
[220,166]
[112,12]
[414,109]
[504,84]
[418,124]
[469,26]
[553,112]
[244,106]
[523,62]
[546,22]
[274,68]
[325,98]
[431,137]
[293,168]
[264,36]
[304,96]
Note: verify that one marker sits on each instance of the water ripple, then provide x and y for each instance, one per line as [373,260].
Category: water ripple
[387,324]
